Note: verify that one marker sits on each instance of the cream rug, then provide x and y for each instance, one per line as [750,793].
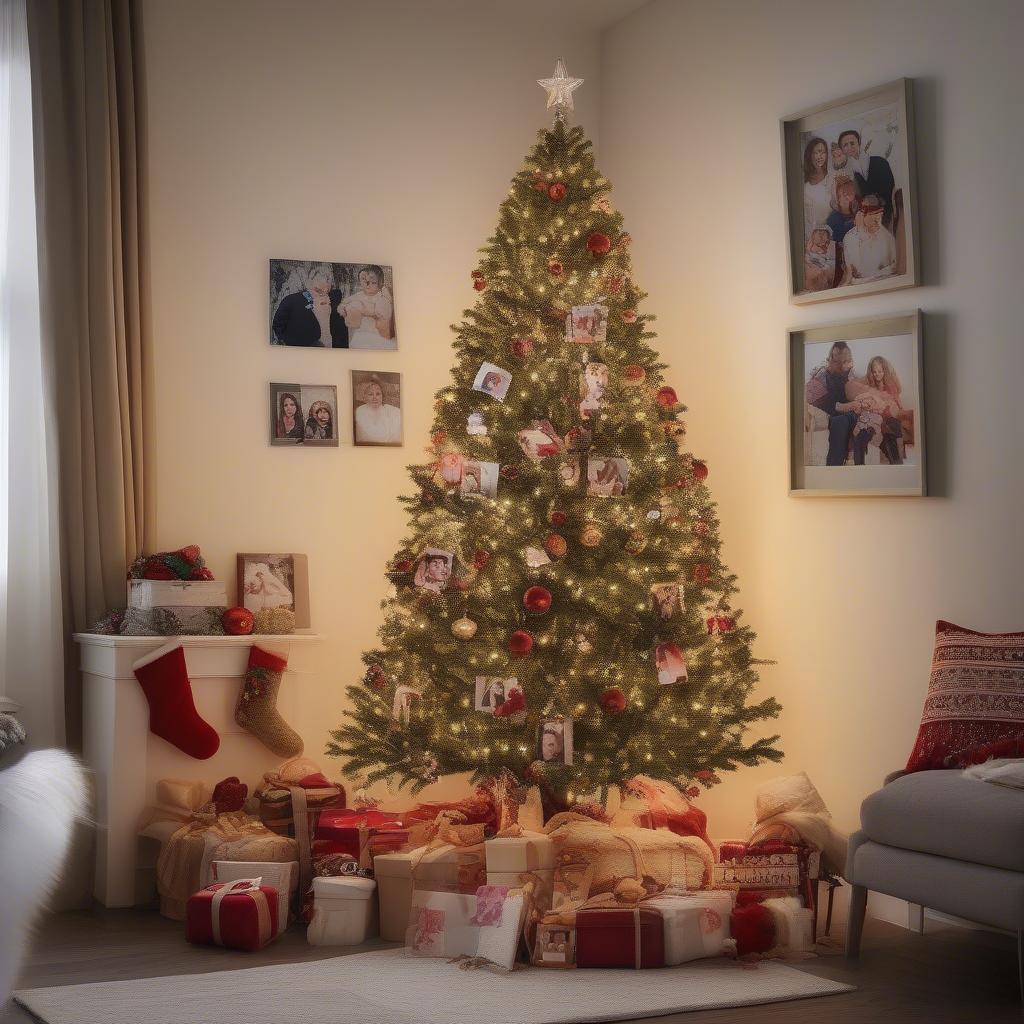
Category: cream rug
[391,987]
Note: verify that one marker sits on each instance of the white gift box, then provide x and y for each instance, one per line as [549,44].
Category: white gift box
[794,923]
[344,911]
[149,594]
[515,860]
[696,924]
[283,877]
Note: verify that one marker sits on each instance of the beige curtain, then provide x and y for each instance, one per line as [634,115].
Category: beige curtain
[87,108]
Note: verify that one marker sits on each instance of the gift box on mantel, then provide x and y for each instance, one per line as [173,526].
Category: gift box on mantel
[240,915]
[452,862]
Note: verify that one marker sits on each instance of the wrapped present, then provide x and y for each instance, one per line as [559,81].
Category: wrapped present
[282,877]
[610,937]
[778,869]
[651,803]
[362,833]
[525,857]
[794,924]
[186,856]
[240,915]
[659,857]
[484,928]
[344,911]
[696,925]
[452,861]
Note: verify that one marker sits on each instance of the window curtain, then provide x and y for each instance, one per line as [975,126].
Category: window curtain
[31,630]
[86,77]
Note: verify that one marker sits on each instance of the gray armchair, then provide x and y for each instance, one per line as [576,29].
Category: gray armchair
[940,840]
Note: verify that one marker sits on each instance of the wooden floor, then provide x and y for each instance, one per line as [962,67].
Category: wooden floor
[948,976]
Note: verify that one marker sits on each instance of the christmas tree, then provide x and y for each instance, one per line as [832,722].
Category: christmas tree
[560,608]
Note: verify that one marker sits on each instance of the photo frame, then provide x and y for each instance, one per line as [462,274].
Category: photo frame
[319,304]
[303,414]
[274,580]
[554,740]
[377,408]
[851,195]
[856,408]
[555,946]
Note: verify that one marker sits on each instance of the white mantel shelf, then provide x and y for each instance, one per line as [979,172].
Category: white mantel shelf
[127,759]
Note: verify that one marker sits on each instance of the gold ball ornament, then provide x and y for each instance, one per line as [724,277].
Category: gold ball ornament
[591,536]
[464,628]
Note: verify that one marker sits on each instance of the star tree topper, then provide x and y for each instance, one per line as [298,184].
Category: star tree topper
[560,87]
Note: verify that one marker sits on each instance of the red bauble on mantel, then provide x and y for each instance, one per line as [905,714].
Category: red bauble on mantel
[599,243]
[520,643]
[238,621]
[537,600]
[556,191]
[613,701]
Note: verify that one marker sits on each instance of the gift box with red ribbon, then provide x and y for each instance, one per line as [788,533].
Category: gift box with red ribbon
[240,915]
[608,937]
[362,833]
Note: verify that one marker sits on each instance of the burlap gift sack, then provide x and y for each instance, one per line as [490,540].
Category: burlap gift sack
[657,856]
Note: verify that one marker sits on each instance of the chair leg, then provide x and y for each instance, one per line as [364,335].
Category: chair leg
[858,908]
[915,917]
[1020,963]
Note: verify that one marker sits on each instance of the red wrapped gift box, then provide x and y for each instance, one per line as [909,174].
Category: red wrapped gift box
[620,938]
[362,834]
[239,915]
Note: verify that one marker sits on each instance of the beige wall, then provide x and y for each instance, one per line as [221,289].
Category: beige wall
[844,593]
[323,130]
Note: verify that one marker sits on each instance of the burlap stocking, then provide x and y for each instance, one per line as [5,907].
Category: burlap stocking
[257,711]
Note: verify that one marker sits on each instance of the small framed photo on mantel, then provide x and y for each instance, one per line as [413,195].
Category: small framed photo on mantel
[851,195]
[856,408]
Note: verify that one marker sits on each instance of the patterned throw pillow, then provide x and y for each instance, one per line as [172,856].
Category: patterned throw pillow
[975,693]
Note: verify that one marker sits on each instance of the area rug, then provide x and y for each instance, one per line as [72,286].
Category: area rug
[392,987]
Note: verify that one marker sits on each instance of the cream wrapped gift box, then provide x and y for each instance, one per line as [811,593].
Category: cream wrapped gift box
[282,877]
[343,911]
[794,923]
[696,924]
[458,869]
[514,860]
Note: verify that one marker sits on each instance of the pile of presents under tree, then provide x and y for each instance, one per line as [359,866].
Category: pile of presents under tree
[634,882]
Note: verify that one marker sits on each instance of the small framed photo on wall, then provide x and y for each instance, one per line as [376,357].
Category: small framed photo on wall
[314,304]
[269,581]
[856,408]
[851,195]
[377,408]
[305,414]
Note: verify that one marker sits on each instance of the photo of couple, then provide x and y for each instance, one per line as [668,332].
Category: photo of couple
[331,305]
[860,402]
[850,195]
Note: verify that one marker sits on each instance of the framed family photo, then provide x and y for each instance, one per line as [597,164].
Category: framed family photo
[851,195]
[267,581]
[305,414]
[856,408]
[314,304]
[376,408]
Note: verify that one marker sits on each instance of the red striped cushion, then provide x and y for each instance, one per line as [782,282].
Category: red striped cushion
[975,693]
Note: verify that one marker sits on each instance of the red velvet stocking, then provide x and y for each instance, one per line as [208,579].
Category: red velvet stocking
[172,712]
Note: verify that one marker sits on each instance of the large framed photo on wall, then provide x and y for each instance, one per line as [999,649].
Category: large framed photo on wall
[851,195]
[856,408]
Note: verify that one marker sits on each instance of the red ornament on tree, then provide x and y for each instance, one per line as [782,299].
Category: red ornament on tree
[613,701]
[238,621]
[520,643]
[556,191]
[403,565]
[509,472]
[700,470]
[537,600]
[629,316]
[555,545]
[725,623]
[522,347]
[599,243]
[480,558]
[557,518]
[666,397]
[540,185]
[702,573]
[555,268]
[439,437]
[479,284]
[634,374]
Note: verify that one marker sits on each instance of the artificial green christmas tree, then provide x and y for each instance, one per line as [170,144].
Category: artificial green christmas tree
[561,611]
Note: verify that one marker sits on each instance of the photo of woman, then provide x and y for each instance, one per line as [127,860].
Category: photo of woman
[289,417]
[607,478]
[670,663]
[369,312]
[492,380]
[492,692]
[434,570]
[819,184]
[377,408]
[554,741]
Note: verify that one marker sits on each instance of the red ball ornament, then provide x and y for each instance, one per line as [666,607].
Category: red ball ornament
[403,565]
[599,243]
[509,472]
[520,643]
[480,558]
[238,621]
[556,191]
[537,600]
[479,284]
[555,545]
[522,347]
[700,470]
[725,623]
[555,268]
[613,701]
[702,573]
[666,397]
[557,518]
[629,316]
[439,437]
[634,374]
[540,185]
[477,275]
